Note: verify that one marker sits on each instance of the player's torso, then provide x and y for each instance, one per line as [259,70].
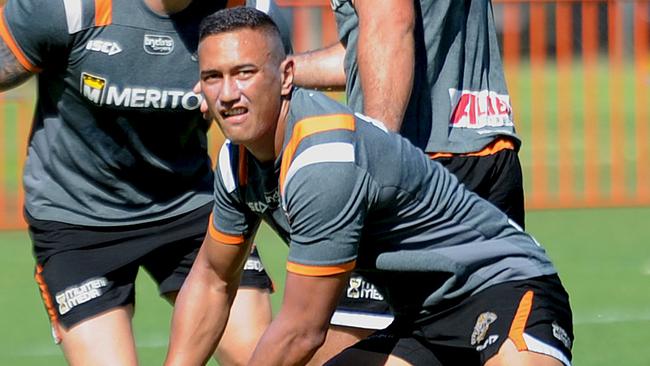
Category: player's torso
[459,101]
[118,119]
[140,61]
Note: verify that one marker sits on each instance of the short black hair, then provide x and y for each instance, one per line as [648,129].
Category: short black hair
[232,19]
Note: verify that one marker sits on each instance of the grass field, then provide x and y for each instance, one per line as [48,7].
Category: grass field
[603,257]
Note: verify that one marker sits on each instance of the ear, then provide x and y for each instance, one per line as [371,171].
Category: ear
[287,68]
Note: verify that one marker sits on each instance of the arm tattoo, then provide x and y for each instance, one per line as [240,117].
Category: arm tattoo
[12,73]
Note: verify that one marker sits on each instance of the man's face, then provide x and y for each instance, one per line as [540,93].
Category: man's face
[242,84]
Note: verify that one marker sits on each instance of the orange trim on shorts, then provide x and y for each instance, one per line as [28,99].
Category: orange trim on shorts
[310,126]
[502,143]
[224,238]
[5,34]
[103,12]
[49,303]
[518,326]
[318,271]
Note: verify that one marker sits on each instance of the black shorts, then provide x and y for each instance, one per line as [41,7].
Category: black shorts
[362,306]
[496,178]
[535,314]
[83,271]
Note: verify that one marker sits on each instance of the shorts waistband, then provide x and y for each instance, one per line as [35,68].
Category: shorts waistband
[502,143]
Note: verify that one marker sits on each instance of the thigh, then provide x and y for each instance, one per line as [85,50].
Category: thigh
[250,315]
[338,339]
[105,339]
[170,263]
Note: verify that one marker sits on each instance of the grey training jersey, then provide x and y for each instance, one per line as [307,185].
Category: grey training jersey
[345,193]
[459,102]
[117,136]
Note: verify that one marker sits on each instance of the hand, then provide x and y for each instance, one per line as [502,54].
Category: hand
[204,104]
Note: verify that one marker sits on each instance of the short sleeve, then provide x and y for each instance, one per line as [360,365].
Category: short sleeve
[35,31]
[231,221]
[326,205]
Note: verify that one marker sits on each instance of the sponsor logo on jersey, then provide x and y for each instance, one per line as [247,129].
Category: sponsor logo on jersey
[478,109]
[157,44]
[271,200]
[561,335]
[93,87]
[360,289]
[480,331]
[108,47]
[99,91]
[77,295]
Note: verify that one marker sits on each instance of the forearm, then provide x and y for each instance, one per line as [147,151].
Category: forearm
[12,73]
[386,68]
[200,317]
[287,342]
[321,69]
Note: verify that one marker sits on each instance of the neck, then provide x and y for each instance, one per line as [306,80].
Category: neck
[272,146]
[167,7]
[282,124]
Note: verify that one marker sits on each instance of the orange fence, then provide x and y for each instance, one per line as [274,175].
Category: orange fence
[579,77]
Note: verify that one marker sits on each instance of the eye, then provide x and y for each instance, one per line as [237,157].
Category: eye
[211,77]
[245,73]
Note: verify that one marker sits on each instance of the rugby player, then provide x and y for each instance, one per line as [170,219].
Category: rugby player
[432,71]
[466,284]
[117,175]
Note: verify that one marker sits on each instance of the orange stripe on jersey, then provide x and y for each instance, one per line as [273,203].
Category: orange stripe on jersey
[47,300]
[103,12]
[318,271]
[243,166]
[223,238]
[308,127]
[5,34]
[518,326]
[494,147]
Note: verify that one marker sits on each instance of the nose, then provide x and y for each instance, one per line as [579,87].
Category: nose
[230,91]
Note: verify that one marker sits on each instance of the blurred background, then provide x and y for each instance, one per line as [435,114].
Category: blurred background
[578,72]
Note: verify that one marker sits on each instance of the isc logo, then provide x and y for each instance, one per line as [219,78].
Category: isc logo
[108,47]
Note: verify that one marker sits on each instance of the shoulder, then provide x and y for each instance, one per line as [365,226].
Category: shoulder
[228,165]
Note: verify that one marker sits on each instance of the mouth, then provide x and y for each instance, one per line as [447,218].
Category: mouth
[233,112]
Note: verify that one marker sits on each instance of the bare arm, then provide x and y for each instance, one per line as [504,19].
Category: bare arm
[12,73]
[321,69]
[386,67]
[301,325]
[203,305]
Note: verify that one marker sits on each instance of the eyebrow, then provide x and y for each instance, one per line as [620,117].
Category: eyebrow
[236,68]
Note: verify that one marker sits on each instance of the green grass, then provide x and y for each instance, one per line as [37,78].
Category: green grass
[603,257]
